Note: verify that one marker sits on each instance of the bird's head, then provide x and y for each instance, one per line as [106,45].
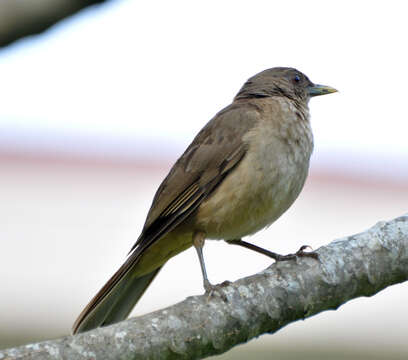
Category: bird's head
[282,81]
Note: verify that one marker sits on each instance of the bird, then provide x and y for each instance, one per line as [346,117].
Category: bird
[241,172]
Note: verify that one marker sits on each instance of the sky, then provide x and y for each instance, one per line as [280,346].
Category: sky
[131,79]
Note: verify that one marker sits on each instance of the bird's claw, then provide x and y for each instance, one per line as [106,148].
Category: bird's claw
[216,290]
[300,253]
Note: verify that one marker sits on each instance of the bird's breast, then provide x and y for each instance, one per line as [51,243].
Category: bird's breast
[266,181]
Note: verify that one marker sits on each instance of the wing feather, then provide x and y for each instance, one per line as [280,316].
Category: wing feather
[214,152]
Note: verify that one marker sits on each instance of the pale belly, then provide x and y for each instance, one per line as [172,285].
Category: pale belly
[240,207]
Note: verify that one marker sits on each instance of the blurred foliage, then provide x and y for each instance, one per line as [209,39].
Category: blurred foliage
[23,18]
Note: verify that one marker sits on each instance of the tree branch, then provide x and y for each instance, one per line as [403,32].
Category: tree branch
[21,18]
[359,265]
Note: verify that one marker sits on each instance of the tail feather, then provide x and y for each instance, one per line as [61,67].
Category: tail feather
[115,300]
[131,295]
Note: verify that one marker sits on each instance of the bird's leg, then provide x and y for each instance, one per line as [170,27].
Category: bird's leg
[198,242]
[275,256]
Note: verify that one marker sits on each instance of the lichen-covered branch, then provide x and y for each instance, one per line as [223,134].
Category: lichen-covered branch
[359,265]
[20,18]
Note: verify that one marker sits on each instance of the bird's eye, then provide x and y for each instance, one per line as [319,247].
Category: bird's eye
[296,79]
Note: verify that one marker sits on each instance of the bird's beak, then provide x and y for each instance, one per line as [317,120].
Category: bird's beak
[315,90]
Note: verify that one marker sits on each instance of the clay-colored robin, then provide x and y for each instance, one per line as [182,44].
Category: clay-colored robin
[241,172]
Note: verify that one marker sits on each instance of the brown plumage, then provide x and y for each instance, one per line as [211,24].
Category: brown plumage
[240,173]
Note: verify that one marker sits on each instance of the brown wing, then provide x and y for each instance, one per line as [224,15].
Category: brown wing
[214,152]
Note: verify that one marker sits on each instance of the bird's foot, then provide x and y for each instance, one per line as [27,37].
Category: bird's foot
[216,290]
[300,253]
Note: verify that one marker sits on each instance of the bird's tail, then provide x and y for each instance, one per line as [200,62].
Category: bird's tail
[116,299]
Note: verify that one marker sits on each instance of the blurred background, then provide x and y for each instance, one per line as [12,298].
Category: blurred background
[95,110]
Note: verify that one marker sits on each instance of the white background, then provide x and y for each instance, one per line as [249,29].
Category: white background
[129,74]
